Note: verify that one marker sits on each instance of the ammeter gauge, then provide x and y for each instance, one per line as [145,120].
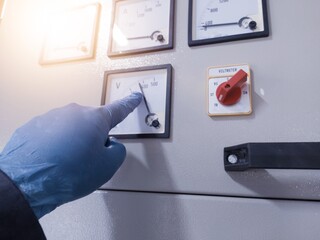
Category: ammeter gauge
[151,119]
[141,26]
[214,21]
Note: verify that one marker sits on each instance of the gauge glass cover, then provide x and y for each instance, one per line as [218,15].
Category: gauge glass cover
[151,119]
[140,26]
[216,21]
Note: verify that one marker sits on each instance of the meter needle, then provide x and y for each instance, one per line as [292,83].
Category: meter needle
[245,22]
[151,119]
[219,24]
[144,98]
[154,35]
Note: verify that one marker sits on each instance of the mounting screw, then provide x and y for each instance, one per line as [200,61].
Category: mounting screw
[253,25]
[155,123]
[233,159]
[160,38]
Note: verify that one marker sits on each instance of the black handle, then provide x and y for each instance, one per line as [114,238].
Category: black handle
[272,155]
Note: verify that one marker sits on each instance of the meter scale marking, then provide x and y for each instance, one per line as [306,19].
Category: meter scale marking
[245,22]
[154,35]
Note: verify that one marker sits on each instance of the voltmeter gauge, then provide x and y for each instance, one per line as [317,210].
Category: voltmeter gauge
[140,26]
[215,21]
[151,119]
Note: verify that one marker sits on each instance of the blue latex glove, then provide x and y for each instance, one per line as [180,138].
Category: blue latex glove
[66,154]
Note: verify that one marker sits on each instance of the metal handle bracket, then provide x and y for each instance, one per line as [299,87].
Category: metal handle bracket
[296,155]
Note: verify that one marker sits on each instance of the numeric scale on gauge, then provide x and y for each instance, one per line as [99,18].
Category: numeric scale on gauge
[151,118]
[244,22]
[141,26]
[214,21]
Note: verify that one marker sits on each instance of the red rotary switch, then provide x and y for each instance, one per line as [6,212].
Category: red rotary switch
[229,93]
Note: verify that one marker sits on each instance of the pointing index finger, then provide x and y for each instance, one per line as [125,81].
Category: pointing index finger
[118,110]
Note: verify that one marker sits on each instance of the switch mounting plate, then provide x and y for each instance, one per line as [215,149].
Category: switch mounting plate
[220,74]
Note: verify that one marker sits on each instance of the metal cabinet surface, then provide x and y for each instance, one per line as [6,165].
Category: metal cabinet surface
[284,99]
[285,95]
[122,215]
[285,92]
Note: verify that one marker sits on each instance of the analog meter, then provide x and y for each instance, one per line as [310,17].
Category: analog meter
[141,26]
[151,119]
[214,21]
[71,35]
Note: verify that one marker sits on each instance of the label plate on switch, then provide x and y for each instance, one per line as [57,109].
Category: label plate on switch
[222,74]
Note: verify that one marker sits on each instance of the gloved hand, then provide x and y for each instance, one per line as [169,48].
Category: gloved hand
[66,154]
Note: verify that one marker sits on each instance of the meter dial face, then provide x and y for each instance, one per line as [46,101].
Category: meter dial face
[71,35]
[141,26]
[151,119]
[213,21]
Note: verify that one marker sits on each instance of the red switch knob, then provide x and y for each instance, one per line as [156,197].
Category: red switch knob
[229,92]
